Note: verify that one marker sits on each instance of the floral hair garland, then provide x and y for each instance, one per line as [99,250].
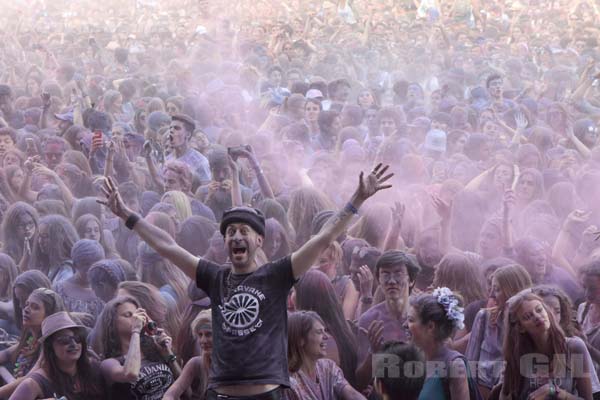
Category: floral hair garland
[448,300]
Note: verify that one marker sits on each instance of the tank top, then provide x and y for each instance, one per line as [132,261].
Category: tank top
[152,383]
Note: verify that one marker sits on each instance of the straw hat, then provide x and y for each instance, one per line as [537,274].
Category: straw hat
[57,322]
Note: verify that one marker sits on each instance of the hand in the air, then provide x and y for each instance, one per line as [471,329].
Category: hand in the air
[113,199]
[373,183]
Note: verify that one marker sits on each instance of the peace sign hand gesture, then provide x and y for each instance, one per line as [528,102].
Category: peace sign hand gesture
[372,183]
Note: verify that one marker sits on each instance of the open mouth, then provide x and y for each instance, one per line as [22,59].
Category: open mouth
[239,250]
[323,346]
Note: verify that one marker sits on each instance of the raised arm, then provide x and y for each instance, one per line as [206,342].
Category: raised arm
[236,191]
[46,103]
[130,370]
[391,240]
[305,256]
[25,191]
[191,370]
[444,210]
[263,183]
[40,169]
[156,178]
[155,237]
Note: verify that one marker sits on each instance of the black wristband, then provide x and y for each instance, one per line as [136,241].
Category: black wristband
[350,208]
[131,221]
[366,300]
[171,358]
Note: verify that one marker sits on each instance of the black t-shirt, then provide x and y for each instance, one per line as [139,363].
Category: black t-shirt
[152,383]
[250,329]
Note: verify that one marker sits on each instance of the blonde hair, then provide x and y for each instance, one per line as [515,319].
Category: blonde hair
[203,317]
[181,203]
[512,279]
[517,344]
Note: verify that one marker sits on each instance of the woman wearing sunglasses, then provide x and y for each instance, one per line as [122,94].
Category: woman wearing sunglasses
[66,370]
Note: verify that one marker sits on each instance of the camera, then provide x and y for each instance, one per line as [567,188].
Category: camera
[151,328]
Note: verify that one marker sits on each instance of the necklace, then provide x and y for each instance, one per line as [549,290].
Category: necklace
[231,286]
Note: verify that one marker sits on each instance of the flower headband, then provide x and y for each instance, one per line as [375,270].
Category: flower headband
[448,300]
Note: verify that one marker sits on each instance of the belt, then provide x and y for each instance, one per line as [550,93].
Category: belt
[275,394]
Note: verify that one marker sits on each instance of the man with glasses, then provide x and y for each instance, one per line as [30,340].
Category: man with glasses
[396,273]
[249,301]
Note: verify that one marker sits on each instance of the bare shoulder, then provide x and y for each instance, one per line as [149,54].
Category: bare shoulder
[576,345]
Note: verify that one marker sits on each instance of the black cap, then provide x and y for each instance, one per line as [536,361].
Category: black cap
[245,215]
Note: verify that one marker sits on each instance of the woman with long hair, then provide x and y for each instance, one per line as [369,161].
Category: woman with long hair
[138,360]
[588,313]
[87,205]
[19,228]
[534,255]
[180,201]
[8,274]
[312,109]
[559,304]
[305,203]
[329,263]
[312,374]
[492,183]
[373,225]
[13,157]
[22,287]
[195,373]
[40,304]
[151,300]
[532,331]
[88,226]
[186,347]
[158,271]
[14,179]
[78,159]
[272,208]
[487,333]
[194,234]
[52,249]
[432,320]
[67,369]
[458,273]
[75,179]
[315,293]
[277,243]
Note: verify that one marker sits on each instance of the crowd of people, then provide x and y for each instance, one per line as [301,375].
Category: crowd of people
[300,200]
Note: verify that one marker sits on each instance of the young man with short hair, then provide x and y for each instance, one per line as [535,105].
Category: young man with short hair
[249,301]
[8,138]
[180,133]
[396,370]
[396,273]
[495,87]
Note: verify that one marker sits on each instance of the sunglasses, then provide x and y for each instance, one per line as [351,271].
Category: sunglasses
[66,340]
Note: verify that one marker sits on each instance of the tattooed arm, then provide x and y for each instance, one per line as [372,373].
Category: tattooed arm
[305,256]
